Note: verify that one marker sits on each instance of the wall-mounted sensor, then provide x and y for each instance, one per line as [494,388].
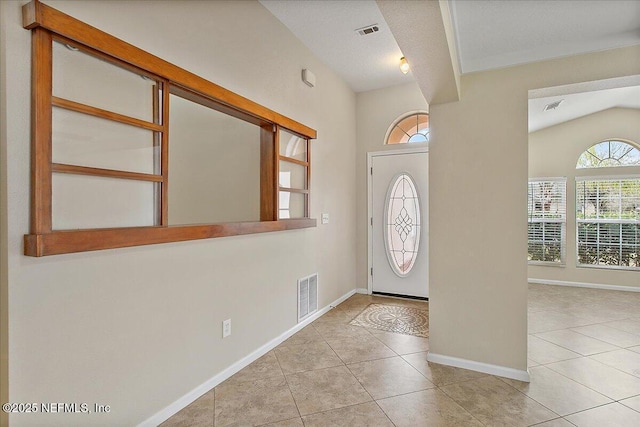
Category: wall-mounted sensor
[308,78]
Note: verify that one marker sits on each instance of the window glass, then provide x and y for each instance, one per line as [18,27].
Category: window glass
[292,146]
[608,222]
[81,202]
[609,154]
[293,175]
[546,220]
[402,224]
[411,129]
[80,77]
[291,205]
[214,163]
[83,140]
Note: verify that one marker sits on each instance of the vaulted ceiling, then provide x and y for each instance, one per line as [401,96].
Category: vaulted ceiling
[444,39]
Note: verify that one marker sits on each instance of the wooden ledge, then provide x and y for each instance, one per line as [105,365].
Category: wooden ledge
[64,242]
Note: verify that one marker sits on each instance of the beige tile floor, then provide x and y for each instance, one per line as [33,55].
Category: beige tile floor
[584,360]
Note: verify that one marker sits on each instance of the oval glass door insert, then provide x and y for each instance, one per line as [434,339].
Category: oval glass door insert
[402,224]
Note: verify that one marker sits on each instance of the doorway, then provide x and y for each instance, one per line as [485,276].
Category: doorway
[398,187]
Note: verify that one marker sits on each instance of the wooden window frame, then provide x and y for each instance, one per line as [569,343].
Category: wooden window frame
[48,24]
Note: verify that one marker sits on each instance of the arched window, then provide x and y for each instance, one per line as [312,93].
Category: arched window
[410,128]
[608,208]
[608,154]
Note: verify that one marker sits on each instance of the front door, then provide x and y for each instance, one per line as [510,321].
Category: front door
[399,223]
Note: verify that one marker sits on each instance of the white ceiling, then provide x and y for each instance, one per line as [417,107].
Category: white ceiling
[488,34]
[494,33]
[580,104]
[327,28]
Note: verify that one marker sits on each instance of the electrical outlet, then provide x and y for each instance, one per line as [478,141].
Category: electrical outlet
[325,218]
[226,328]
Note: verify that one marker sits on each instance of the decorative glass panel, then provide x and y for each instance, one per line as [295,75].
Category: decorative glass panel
[83,140]
[292,175]
[80,202]
[293,146]
[214,162]
[402,224]
[291,205]
[88,80]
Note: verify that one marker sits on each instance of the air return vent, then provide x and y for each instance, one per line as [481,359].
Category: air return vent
[553,105]
[307,296]
[368,30]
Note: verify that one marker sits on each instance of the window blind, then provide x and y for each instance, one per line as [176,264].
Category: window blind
[547,218]
[608,222]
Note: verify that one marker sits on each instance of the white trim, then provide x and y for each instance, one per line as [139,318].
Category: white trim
[620,177]
[553,178]
[194,394]
[585,285]
[487,368]
[364,291]
[370,156]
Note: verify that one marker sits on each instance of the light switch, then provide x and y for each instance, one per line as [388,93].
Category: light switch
[325,218]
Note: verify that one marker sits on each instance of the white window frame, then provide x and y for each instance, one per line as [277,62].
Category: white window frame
[562,220]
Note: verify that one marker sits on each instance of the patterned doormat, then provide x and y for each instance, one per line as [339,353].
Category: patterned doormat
[394,318]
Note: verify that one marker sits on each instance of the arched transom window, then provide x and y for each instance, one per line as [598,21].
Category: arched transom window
[608,154]
[409,129]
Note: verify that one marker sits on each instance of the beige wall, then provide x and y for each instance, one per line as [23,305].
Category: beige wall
[138,328]
[553,152]
[376,111]
[477,180]
[4,284]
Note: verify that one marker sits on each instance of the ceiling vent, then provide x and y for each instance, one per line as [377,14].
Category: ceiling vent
[370,29]
[553,105]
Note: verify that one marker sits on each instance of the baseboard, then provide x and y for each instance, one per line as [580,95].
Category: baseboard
[194,394]
[364,291]
[501,371]
[585,285]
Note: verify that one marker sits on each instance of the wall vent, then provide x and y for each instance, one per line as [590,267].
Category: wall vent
[307,296]
[553,105]
[370,29]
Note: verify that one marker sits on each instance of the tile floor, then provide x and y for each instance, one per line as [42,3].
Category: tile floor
[584,360]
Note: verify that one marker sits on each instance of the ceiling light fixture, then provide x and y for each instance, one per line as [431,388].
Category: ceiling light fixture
[404,65]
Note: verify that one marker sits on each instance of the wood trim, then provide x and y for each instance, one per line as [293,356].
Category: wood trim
[109,173]
[276,173]
[41,152]
[64,242]
[215,105]
[293,190]
[48,24]
[268,176]
[40,15]
[164,157]
[292,160]
[87,50]
[157,154]
[103,114]
[307,204]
